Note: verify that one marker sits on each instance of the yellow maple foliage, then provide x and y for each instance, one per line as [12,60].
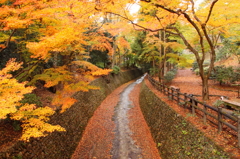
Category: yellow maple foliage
[11,93]
[65,29]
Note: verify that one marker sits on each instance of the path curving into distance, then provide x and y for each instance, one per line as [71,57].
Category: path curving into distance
[117,129]
[124,146]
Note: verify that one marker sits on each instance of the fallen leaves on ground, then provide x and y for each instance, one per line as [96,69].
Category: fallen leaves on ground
[140,129]
[189,83]
[98,135]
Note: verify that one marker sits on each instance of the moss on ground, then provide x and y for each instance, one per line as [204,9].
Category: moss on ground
[61,145]
[174,136]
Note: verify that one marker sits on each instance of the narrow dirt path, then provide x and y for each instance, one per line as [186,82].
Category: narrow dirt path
[123,145]
[117,129]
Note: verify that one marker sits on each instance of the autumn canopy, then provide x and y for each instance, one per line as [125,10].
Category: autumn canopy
[64,44]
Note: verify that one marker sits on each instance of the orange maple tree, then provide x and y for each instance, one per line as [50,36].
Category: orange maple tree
[62,40]
[34,119]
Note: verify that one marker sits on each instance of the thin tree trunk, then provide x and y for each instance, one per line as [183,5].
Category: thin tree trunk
[162,54]
[8,41]
[114,52]
[153,65]
[205,90]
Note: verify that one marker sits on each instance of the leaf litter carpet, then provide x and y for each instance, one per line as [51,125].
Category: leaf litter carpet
[190,83]
[118,129]
[99,138]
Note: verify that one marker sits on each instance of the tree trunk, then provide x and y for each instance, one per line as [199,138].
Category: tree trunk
[205,90]
[162,54]
[153,65]
[114,52]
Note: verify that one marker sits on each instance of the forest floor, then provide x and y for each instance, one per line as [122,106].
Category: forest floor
[101,129]
[190,83]
[117,129]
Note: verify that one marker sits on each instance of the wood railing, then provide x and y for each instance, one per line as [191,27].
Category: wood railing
[217,116]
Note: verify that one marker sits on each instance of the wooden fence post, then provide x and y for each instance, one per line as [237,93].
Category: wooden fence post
[168,91]
[159,87]
[238,131]
[219,119]
[163,88]
[204,114]
[185,100]
[178,99]
[193,106]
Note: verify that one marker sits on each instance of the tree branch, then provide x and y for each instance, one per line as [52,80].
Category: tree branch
[210,11]
[8,41]
[159,20]
[213,54]
[194,14]
[189,46]
[134,24]
[187,17]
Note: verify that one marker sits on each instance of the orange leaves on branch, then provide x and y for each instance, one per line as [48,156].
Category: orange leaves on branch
[11,65]
[53,76]
[101,72]
[35,123]
[123,43]
[102,43]
[3,1]
[63,98]
[78,86]
[11,93]
[63,102]
[16,23]
[67,103]
[85,65]
[91,69]
[63,40]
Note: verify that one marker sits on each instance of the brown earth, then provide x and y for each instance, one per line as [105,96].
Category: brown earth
[99,134]
[189,83]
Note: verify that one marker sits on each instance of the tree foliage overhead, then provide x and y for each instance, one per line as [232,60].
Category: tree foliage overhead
[54,37]
[54,41]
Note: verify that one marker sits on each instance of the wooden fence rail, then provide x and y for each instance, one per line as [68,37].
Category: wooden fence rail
[215,115]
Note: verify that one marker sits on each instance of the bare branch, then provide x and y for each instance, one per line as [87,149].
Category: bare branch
[8,41]
[210,11]
[193,11]
[216,40]
[144,28]
[159,20]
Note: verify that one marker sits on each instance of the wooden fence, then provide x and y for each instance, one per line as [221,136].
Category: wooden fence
[217,116]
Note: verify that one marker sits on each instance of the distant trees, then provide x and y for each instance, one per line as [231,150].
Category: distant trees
[230,47]
[225,74]
[199,28]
